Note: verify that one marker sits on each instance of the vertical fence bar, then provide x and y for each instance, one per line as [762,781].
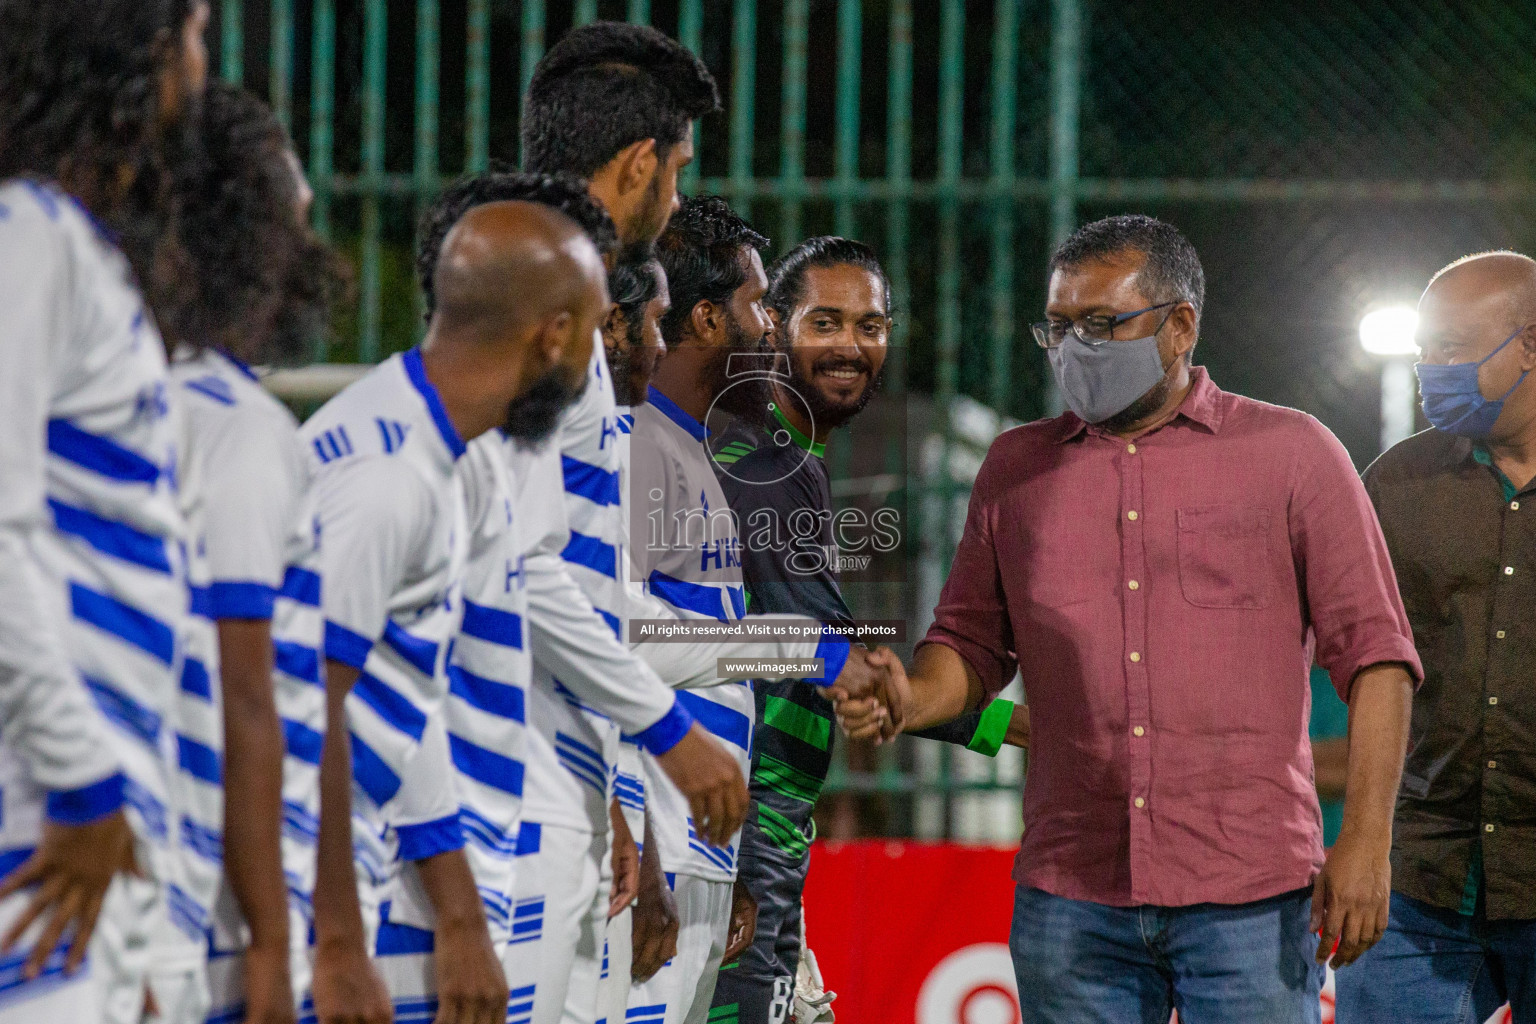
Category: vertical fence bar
[743,96]
[477,87]
[1005,60]
[690,32]
[232,42]
[638,12]
[850,44]
[375,29]
[532,50]
[898,171]
[426,165]
[1066,98]
[280,60]
[322,112]
[797,18]
[585,12]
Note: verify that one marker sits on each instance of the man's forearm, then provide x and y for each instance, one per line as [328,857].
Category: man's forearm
[450,887]
[253,781]
[1380,707]
[943,687]
[338,914]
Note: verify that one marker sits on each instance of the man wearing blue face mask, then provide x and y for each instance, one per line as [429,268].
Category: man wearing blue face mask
[1460,521]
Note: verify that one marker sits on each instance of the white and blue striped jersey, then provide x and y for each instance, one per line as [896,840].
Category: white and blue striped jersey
[573,761]
[685,555]
[92,585]
[489,673]
[243,484]
[393,544]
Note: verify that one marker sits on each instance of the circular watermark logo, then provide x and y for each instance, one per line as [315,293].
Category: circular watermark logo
[974,985]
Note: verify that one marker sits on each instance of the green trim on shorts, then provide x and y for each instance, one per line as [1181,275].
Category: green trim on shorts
[730,1013]
[786,780]
[781,831]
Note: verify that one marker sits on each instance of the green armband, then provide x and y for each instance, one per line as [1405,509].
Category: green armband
[993,728]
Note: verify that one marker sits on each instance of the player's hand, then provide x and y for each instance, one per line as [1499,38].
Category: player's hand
[711,781]
[268,987]
[655,923]
[743,922]
[1018,727]
[626,863]
[71,868]
[347,986]
[1351,897]
[471,985]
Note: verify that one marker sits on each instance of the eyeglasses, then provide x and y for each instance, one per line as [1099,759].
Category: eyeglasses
[1091,330]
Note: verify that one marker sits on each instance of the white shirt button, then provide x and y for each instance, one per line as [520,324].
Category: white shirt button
[1134,585]
[1514,506]
[1509,570]
[1499,635]
[1138,731]
[1131,448]
[1140,803]
[1493,700]
[1487,828]
[1135,655]
[1131,516]
[1493,764]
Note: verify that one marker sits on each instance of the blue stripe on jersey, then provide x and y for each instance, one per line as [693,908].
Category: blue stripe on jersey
[419,654]
[110,537]
[493,625]
[202,840]
[500,699]
[100,455]
[664,733]
[530,836]
[185,912]
[613,623]
[77,806]
[148,807]
[123,621]
[215,388]
[486,766]
[300,822]
[302,742]
[485,834]
[592,553]
[10,860]
[738,596]
[138,720]
[581,761]
[626,422]
[194,679]
[394,708]
[699,598]
[369,770]
[498,908]
[402,940]
[727,723]
[674,412]
[594,483]
[720,859]
[200,602]
[345,646]
[302,586]
[199,760]
[429,838]
[418,378]
[231,599]
[528,919]
[296,660]
[14,981]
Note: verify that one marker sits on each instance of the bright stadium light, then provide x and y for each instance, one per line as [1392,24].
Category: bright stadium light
[1389,331]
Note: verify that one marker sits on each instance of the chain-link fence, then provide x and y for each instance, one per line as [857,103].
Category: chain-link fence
[1322,157]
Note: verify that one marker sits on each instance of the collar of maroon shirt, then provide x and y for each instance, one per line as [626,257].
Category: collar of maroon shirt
[1200,406]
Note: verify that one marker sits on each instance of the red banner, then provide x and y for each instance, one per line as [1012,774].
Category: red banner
[917,933]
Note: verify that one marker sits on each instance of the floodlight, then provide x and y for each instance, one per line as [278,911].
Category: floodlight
[1389,331]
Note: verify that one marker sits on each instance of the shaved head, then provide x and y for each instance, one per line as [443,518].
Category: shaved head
[1498,279]
[507,267]
[520,292]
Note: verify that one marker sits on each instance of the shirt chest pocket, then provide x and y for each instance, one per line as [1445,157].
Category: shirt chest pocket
[1224,556]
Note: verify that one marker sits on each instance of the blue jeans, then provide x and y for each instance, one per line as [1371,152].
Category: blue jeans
[1086,963]
[1435,965]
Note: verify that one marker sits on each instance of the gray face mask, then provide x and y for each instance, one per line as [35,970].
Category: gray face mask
[1100,381]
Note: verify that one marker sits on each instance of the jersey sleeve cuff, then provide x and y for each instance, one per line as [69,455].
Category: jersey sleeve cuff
[993,728]
[345,646]
[665,733]
[241,600]
[88,803]
[833,650]
[429,838]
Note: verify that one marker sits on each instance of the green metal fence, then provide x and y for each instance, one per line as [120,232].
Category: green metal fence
[1321,157]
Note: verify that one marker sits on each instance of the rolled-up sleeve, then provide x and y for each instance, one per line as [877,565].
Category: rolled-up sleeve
[972,614]
[1341,557]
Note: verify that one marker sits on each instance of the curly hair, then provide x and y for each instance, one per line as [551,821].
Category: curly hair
[80,87]
[264,281]
[701,251]
[786,278]
[608,85]
[632,284]
[563,192]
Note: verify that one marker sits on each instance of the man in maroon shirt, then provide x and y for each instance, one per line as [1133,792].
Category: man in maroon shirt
[1161,564]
